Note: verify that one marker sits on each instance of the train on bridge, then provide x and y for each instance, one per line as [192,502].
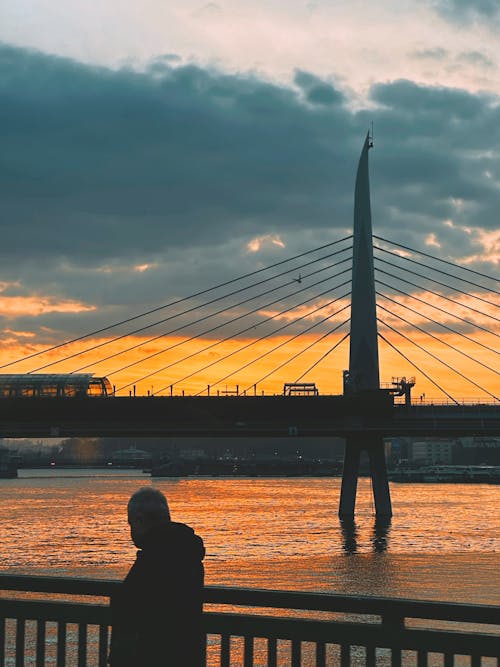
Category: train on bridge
[53,385]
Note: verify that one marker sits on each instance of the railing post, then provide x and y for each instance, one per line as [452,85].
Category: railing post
[248,652]
[272,652]
[61,644]
[82,645]
[345,655]
[20,634]
[320,654]
[396,623]
[103,645]
[225,651]
[40,643]
[296,652]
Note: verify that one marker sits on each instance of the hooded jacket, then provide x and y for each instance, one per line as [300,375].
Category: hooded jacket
[156,613]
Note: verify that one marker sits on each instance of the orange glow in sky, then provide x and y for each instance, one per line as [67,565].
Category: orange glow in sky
[227,366]
[11,306]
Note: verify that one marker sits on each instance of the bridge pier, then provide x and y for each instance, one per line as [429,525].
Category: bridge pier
[378,473]
[350,474]
[380,483]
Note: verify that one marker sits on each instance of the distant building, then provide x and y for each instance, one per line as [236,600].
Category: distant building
[130,456]
[432,452]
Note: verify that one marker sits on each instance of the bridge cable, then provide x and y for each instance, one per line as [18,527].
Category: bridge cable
[438,339]
[185,312]
[420,252]
[232,321]
[193,308]
[440,324]
[420,370]
[258,340]
[177,301]
[298,354]
[438,359]
[437,282]
[433,268]
[446,312]
[223,310]
[227,338]
[323,356]
[441,296]
[280,345]
[249,344]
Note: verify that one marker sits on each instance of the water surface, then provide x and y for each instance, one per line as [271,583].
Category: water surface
[443,541]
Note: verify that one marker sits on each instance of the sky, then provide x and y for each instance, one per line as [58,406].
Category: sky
[151,150]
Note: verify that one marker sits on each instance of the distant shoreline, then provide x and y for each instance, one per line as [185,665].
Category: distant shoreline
[452,475]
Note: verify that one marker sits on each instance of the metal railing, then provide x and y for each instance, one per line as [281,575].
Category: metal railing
[253,628]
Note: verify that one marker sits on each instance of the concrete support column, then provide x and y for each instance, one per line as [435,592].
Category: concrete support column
[349,478]
[380,483]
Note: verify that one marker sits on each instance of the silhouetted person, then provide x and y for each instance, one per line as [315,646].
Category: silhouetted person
[156,613]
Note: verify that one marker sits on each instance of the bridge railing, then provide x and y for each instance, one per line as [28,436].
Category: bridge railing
[251,628]
[439,400]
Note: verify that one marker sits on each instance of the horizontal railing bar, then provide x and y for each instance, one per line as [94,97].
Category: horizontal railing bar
[270,626]
[48,610]
[395,608]
[332,602]
[68,585]
[245,625]
[354,634]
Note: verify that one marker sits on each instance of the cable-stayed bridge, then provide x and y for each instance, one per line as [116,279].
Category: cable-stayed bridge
[247,356]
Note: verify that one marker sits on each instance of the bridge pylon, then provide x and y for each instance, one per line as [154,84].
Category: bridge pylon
[363,378]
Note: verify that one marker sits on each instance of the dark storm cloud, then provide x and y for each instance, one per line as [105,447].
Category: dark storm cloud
[179,167]
[442,151]
[464,11]
[316,91]
[90,154]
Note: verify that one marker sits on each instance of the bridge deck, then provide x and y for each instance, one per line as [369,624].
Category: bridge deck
[279,415]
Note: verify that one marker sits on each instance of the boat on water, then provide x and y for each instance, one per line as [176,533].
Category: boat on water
[8,464]
[468,474]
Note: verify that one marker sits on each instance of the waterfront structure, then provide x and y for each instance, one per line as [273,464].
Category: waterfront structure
[432,452]
[363,377]
[130,456]
[36,629]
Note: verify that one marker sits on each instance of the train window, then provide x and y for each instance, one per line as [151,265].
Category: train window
[73,389]
[95,388]
[48,390]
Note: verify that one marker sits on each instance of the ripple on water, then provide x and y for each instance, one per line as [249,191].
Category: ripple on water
[443,541]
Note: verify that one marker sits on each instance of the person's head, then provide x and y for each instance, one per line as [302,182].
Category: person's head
[147,508]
